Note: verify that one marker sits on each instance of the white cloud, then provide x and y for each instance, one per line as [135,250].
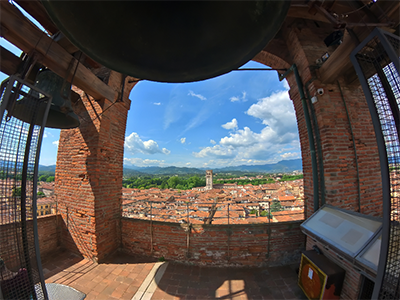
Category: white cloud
[157,103]
[216,151]
[183,140]
[144,162]
[201,97]
[290,155]
[239,98]
[277,112]
[276,141]
[286,84]
[231,125]
[55,143]
[134,144]
[240,138]
[49,132]
[213,142]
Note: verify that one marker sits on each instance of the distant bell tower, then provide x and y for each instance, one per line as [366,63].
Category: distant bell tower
[209,179]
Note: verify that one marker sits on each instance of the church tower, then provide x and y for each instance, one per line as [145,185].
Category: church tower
[209,179]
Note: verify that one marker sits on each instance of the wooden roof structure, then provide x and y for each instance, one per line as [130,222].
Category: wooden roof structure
[57,53]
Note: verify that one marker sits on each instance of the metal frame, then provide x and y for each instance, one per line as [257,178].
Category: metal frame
[8,84]
[362,260]
[383,155]
[350,256]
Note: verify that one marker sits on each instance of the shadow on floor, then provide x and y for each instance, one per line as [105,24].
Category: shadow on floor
[119,276]
[192,282]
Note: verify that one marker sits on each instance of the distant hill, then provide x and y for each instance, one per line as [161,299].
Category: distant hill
[50,169]
[279,167]
[127,172]
[162,170]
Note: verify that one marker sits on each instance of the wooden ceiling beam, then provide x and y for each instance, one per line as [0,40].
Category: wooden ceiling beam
[37,11]
[9,62]
[302,12]
[339,61]
[23,34]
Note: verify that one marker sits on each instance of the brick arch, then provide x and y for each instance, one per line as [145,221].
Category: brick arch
[342,185]
[271,60]
[276,62]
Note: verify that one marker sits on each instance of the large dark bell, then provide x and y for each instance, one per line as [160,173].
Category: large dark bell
[169,41]
[60,114]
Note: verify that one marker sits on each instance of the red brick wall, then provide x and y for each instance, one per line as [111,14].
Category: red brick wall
[89,175]
[48,239]
[338,155]
[48,231]
[223,245]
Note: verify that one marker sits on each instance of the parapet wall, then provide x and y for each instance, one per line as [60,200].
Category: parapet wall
[48,238]
[219,245]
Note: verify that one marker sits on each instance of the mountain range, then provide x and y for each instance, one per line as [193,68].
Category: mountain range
[279,167]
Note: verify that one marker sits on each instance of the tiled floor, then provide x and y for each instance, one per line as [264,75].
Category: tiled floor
[121,276]
[190,282]
[117,278]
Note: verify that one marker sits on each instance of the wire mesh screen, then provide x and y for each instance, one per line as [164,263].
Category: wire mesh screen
[367,287]
[20,273]
[382,82]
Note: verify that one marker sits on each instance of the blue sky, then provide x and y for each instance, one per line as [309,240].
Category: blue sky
[243,117]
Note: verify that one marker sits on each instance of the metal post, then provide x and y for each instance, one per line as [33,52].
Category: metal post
[228,213]
[151,228]
[229,236]
[269,230]
[187,212]
[307,119]
[187,231]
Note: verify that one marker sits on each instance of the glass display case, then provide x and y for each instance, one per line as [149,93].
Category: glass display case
[356,236]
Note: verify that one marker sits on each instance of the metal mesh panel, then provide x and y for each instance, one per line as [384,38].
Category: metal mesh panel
[367,288]
[383,82]
[19,142]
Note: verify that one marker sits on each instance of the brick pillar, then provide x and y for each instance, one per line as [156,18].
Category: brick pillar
[338,155]
[89,174]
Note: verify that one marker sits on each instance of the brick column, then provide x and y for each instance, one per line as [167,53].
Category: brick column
[89,174]
[338,155]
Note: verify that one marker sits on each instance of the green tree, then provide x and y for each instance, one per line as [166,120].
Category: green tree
[50,179]
[265,213]
[43,178]
[276,206]
[173,182]
[16,192]
[253,212]
[180,187]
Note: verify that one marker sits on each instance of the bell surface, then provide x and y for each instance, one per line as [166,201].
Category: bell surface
[61,114]
[169,41]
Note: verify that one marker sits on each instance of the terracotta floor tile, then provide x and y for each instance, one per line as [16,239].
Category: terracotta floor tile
[127,296]
[92,295]
[121,276]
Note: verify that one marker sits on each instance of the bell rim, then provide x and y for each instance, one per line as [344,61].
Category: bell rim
[166,76]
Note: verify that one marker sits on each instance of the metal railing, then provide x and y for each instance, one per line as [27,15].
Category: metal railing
[213,212]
